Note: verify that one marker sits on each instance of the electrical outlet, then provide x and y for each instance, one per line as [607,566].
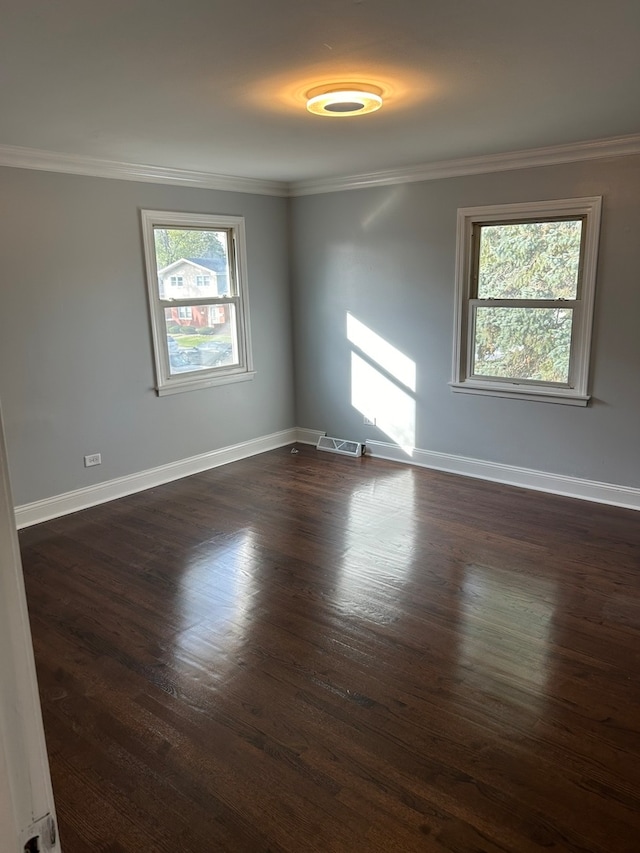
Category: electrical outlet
[369,421]
[92,459]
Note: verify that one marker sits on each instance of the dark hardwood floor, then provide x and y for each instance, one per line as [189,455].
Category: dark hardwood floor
[304,652]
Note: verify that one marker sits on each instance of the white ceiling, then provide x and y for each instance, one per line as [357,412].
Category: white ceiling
[219,86]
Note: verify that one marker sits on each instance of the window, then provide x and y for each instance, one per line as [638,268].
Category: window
[177,281]
[525,282]
[203,280]
[199,340]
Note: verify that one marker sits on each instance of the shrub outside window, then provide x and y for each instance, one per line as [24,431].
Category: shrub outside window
[525,283]
[198,299]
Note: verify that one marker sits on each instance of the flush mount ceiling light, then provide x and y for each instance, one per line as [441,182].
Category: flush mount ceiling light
[344,99]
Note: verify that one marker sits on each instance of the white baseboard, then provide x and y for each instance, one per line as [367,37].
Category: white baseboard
[309,436]
[526,478]
[43,510]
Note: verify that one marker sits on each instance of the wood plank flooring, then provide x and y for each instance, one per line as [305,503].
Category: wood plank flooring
[304,652]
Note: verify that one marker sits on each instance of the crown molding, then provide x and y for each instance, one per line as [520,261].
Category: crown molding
[51,161]
[619,146]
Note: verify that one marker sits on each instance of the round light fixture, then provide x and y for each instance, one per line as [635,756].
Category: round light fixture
[344,99]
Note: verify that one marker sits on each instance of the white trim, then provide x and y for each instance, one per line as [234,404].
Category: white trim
[180,384]
[53,507]
[617,146]
[18,157]
[8,817]
[24,765]
[73,164]
[511,475]
[526,478]
[462,380]
[522,392]
[166,381]
[309,436]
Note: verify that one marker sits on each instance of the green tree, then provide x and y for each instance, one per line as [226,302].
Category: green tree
[173,244]
[527,261]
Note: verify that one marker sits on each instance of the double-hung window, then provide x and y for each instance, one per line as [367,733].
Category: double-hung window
[199,322]
[525,282]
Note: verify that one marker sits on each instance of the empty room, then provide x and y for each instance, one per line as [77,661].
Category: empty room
[319,469]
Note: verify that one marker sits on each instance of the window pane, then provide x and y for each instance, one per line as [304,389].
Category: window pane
[529,260]
[192,263]
[200,337]
[523,343]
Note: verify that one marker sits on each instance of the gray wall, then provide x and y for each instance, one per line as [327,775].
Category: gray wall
[76,365]
[387,255]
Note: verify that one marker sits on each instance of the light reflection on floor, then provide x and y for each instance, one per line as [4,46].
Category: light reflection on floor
[379,544]
[506,619]
[216,596]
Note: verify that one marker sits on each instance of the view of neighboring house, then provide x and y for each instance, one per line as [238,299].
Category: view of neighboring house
[195,278]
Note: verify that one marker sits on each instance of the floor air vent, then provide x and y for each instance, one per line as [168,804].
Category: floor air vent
[340,445]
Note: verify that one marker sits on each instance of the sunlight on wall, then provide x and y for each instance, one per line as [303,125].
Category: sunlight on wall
[377,397]
[400,366]
[395,196]
[383,384]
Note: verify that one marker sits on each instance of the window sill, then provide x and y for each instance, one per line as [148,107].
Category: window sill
[565,397]
[179,386]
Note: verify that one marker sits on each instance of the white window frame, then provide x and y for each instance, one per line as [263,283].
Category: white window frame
[176,281]
[575,391]
[203,280]
[239,298]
